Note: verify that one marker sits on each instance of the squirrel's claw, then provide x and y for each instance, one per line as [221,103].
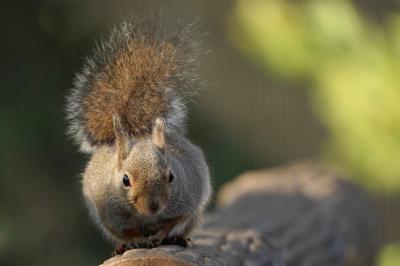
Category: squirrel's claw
[155,238]
[183,242]
[134,246]
[149,244]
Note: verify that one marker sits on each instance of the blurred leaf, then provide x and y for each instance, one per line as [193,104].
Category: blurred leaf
[352,64]
[390,256]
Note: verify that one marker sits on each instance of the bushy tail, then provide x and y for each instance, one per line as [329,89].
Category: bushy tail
[141,72]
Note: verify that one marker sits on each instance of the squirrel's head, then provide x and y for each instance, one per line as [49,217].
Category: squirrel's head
[143,171]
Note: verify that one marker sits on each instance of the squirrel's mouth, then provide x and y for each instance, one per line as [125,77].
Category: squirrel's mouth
[149,210]
[150,213]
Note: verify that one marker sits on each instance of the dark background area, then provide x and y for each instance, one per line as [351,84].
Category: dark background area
[246,118]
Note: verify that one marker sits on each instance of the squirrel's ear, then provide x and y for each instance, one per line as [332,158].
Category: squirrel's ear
[121,138]
[159,133]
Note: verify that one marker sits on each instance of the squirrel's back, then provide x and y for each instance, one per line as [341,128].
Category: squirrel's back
[139,73]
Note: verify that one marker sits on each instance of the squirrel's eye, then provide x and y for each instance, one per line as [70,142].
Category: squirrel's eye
[170,177]
[125,181]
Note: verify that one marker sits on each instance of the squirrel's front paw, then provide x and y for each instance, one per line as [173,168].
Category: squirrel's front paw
[179,241]
[135,245]
[148,244]
[183,242]
[154,241]
[120,249]
[154,238]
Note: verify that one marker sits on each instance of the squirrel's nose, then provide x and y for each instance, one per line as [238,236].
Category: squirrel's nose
[154,207]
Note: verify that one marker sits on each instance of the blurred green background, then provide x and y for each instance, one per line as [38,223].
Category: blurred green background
[289,80]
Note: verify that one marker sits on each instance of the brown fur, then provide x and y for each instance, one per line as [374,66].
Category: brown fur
[159,134]
[133,86]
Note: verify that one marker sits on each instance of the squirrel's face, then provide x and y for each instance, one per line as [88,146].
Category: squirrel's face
[143,173]
[146,178]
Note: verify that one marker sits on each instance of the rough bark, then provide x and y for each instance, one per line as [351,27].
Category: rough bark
[301,214]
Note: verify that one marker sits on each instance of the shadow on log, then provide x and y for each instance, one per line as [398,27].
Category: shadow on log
[299,215]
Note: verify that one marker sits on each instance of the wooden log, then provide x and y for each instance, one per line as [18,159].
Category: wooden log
[301,214]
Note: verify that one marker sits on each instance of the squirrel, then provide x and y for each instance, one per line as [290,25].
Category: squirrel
[145,184]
